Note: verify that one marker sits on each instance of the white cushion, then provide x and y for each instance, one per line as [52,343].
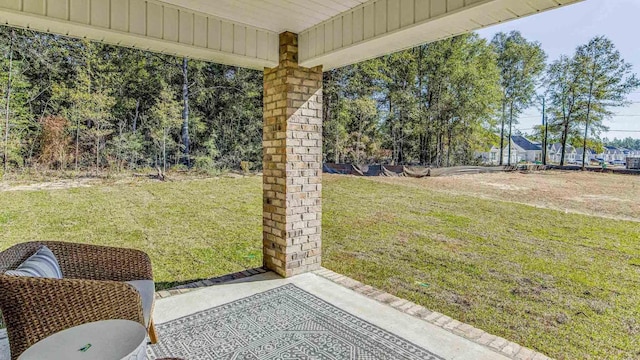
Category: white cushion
[5,352]
[147,291]
[41,264]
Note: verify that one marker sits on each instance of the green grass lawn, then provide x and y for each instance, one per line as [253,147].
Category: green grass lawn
[567,285]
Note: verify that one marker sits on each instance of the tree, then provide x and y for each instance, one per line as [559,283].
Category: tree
[458,93]
[90,104]
[605,81]
[563,87]
[54,142]
[166,114]
[521,63]
[400,75]
[16,116]
[363,114]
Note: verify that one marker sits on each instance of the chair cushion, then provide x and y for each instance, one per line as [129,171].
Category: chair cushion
[41,264]
[147,291]
[5,352]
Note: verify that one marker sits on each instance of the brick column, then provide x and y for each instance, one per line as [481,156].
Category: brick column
[292,162]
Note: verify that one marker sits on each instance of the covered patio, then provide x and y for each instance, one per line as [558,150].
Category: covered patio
[293,42]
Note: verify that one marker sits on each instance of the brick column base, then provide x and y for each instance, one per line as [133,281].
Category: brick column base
[292,162]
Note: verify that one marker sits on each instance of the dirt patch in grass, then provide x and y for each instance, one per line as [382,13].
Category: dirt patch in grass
[606,195]
[559,282]
[50,185]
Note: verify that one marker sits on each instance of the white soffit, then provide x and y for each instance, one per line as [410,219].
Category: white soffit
[149,25]
[379,27]
[332,33]
[274,15]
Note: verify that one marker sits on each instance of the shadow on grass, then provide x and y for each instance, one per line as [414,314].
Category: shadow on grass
[197,283]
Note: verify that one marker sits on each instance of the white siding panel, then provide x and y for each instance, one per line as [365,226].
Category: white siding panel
[438,7]
[199,30]
[406,12]
[328,36]
[320,39]
[153,25]
[380,9]
[252,39]
[303,45]
[34,6]
[422,11]
[358,25]
[393,16]
[100,13]
[263,45]
[369,20]
[137,16]
[453,5]
[186,27]
[239,39]
[347,29]
[57,9]
[155,18]
[313,39]
[11,4]
[274,47]
[214,34]
[226,37]
[383,26]
[120,15]
[171,24]
[337,32]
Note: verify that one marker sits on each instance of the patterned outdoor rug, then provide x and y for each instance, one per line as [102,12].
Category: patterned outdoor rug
[283,323]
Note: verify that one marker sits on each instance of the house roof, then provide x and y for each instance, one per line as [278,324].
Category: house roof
[557,147]
[589,151]
[525,144]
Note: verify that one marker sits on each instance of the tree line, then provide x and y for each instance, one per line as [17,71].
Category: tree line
[72,104]
[626,143]
[441,103]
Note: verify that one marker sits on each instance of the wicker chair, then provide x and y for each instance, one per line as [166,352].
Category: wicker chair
[92,289]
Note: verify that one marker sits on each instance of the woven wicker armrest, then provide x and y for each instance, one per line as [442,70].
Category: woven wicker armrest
[93,262]
[35,308]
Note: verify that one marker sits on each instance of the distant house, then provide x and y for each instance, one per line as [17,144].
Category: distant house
[612,153]
[522,150]
[555,154]
[527,150]
[591,156]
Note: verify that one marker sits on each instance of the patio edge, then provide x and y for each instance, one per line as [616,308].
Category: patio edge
[478,336]
[471,333]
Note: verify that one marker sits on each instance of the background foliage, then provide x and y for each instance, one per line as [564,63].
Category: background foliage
[70,104]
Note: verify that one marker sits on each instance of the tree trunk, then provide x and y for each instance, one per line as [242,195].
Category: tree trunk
[502,120]
[97,153]
[186,141]
[586,125]
[77,141]
[135,118]
[565,135]
[510,128]
[164,150]
[5,157]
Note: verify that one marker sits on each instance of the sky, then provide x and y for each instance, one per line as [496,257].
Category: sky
[562,30]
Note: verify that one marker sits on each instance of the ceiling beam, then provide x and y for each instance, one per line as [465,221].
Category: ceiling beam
[148,25]
[380,27]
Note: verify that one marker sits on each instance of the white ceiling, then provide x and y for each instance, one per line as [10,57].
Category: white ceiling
[333,33]
[273,15]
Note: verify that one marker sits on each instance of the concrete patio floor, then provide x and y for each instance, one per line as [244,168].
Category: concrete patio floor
[414,329]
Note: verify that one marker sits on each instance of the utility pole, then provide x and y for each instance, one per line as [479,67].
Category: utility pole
[546,131]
